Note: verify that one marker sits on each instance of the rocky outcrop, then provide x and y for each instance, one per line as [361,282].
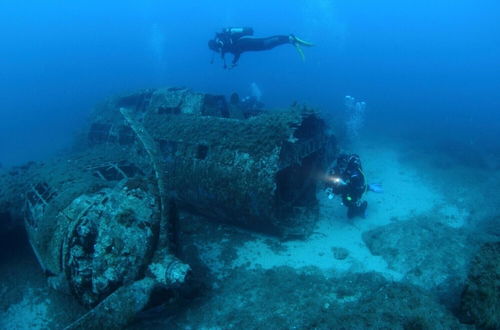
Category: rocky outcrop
[480,302]
[287,298]
[428,253]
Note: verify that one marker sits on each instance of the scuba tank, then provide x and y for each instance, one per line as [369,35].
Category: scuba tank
[237,32]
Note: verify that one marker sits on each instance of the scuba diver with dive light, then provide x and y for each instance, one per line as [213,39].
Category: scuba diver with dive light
[237,40]
[348,180]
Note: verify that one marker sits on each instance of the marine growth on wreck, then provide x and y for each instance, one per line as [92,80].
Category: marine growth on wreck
[102,219]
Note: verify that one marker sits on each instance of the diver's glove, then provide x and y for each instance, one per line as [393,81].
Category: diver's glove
[376,187]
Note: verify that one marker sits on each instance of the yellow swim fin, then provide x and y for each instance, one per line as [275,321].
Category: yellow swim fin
[299,42]
[302,42]
[299,50]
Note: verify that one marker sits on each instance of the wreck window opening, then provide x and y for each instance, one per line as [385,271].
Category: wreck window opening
[36,200]
[40,193]
[296,184]
[202,151]
[116,172]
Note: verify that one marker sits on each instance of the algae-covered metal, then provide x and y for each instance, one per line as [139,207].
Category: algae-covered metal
[101,220]
[97,224]
[259,173]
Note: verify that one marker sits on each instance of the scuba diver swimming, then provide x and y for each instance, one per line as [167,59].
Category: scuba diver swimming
[348,180]
[237,40]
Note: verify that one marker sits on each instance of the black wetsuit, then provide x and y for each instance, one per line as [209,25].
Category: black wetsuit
[247,44]
[239,42]
[349,170]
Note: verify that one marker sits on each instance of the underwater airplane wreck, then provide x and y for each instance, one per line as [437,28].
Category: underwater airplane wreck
[102,219]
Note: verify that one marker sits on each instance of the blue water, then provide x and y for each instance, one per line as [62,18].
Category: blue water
[427,69]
